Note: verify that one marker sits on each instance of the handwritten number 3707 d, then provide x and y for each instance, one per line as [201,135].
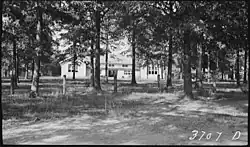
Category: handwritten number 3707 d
[209,135]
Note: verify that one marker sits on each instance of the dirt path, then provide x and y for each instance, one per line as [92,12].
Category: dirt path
[159,120]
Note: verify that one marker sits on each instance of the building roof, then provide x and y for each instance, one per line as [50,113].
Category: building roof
[69,59]
[112,59]
[116,60]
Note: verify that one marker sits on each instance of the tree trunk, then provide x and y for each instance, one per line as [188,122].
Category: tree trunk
[17,70]
[133,82]
[97,52]
[64,84]
[12,88]
[187,66]
[204,70]
[245,66]
[165,73]
[199,69]
[196,78]
[74,61]
[208,67]
[147,68]
[232,72]
[158,81]
[92,64]
[181,71]
[32,68]
[203,58]
[162,72]
[92,72]
[215,73]
[14,72]
[115,81]
[158,67]
[170,60]
[238,67]
[35,80]
[5,73]
[26,71]
[222,74]
[106,60]
[74,66]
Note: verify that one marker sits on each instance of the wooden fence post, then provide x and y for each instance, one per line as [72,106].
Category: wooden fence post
[64,84]
[115,81]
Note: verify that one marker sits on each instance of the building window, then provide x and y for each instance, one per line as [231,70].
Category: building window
[124,65]
[152,71]
[70,68]
[111,65]
[111,73]
[127,72]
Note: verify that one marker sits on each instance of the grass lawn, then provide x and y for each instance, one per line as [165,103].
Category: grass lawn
[134,115]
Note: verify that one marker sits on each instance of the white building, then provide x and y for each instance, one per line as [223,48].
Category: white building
[123,65]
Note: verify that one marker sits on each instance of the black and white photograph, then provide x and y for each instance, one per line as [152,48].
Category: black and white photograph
[124,72]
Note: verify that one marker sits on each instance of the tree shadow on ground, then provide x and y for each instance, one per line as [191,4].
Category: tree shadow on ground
[221,85]
[51,106]
[233,95]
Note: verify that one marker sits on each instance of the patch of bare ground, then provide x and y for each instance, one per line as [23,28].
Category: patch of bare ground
[126,117]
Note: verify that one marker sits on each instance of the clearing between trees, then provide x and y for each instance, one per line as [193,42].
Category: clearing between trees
[134,115]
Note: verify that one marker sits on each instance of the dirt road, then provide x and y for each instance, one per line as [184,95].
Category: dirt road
[160,119]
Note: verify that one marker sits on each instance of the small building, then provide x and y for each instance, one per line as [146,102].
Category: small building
[83,69]
[123,65]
